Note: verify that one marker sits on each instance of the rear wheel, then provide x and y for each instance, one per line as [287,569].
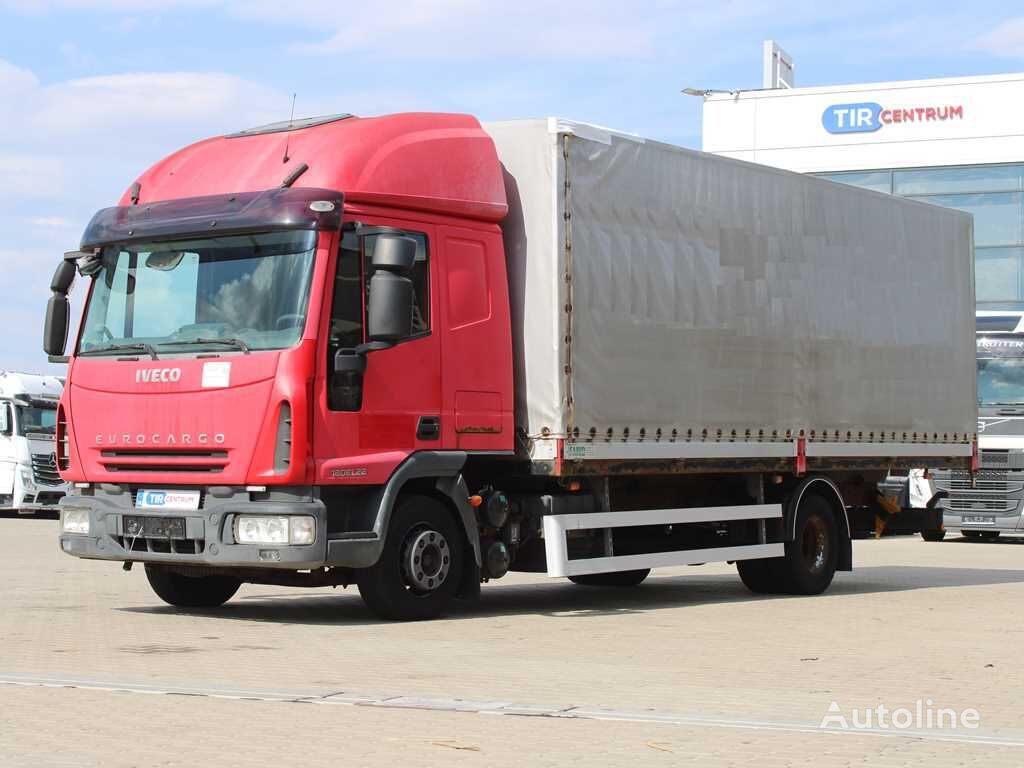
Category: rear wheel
[934,534]
[811,556]
[616,579]
[810,561]
[191,591]
[418,572]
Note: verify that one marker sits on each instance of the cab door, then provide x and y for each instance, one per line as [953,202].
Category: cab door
[398,411]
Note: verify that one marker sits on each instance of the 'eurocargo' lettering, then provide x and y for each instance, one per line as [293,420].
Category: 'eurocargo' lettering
[867,117]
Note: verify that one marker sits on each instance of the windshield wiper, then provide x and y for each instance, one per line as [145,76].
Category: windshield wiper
[229,341]
[149,349]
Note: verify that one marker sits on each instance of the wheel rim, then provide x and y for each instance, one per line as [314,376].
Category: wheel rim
[814,545]
[426,559]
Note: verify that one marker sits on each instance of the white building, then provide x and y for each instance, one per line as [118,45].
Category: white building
[957,142]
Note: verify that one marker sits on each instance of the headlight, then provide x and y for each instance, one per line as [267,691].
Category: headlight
[75,521]
[264,529]
[26,477]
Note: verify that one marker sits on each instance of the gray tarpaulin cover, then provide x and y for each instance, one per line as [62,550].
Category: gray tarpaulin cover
[660,288]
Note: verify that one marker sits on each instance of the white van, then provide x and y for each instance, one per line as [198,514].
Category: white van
[29,481]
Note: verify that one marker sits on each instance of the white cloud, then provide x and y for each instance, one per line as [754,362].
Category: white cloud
[75,146]
[15,82]
[1006,40]
[51,222]
[136,101]
[31,176]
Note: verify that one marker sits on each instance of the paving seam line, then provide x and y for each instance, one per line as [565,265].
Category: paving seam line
[508,709]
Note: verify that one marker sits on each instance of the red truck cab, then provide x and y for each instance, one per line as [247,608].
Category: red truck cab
[283,327]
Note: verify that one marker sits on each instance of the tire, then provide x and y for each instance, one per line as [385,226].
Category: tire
[616,579]
[812,556]
[934,534]
[809,564]
[191,591]
[762,577]
[422,534]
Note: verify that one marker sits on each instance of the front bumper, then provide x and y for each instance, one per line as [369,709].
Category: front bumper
[43,501]
[209,531]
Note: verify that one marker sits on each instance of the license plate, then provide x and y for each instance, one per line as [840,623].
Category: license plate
[155,527]
[187,501]
[979,519]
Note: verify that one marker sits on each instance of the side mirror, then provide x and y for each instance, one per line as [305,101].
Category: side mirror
[5,419]
[390,302]
[394,253]
[63,277]
[55,331]
[389,308]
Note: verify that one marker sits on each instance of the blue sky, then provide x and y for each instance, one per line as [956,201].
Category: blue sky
[94,91]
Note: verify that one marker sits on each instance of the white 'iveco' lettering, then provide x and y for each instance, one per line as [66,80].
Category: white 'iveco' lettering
[154,375]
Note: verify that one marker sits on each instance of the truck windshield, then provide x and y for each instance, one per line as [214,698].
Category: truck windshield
[36,420]
[249,292]
[1001,381]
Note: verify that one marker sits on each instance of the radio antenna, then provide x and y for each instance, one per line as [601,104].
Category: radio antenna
[291,121]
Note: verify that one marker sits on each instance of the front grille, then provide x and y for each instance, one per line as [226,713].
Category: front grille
[44,469]
[150,460]
[1001,459]
[982,505]
[161,546]
[991,491]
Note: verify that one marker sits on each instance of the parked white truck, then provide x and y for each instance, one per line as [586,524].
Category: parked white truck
[992,502]
[29,481]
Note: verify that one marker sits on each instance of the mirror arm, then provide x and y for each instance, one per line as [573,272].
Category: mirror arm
[373,346]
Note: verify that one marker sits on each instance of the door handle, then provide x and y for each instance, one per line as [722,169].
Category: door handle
[428,428]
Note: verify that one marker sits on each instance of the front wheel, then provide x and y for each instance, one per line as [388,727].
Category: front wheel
[934,534]
[190,591]
[418,572]
[616,579]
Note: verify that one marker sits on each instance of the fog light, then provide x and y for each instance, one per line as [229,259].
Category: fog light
[75,521]
[303,530]
[264,529]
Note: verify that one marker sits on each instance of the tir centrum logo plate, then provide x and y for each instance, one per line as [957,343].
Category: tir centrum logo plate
[178,500]
[869,116]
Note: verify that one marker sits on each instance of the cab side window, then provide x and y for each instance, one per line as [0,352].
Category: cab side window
[351,291]
[420,279]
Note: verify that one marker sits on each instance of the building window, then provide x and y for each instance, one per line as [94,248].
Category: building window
[932,181]
[998,277]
